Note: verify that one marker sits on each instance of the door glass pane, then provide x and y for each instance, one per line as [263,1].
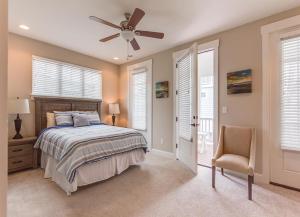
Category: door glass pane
[205,107]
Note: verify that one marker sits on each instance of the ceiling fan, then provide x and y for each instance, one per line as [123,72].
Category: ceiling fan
[127,28]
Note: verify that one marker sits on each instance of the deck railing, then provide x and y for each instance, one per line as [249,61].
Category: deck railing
[206,127]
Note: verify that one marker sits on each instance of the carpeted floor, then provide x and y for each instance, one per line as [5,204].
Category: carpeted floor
[160,187]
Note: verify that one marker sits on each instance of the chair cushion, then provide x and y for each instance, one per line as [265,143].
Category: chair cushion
[237,140]
[234,162]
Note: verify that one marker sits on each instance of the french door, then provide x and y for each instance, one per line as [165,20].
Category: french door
[186,106]
[285,110]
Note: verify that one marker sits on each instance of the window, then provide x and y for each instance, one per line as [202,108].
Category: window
[184,70]
[59,79]
[139,100]
[290,93]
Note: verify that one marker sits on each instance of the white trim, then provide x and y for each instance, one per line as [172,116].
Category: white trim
[3,106]
[209,45]
[148,65]
[280,25]
[267,31]
[164,153]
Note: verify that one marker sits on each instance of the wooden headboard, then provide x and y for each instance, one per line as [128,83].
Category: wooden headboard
[44,105]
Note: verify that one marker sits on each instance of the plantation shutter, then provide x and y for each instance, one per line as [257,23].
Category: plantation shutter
[184,70]
[139,99]
[58,79]
[290,93]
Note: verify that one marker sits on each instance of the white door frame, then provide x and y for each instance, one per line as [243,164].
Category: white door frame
[177,55]
[267,31]
[214,45]
[3,105]
[130,70]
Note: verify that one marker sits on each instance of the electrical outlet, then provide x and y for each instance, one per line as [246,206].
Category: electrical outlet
[161,141]
[224,109]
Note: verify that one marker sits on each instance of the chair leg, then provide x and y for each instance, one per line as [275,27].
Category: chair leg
[250,182]
[213,169]
[222,171]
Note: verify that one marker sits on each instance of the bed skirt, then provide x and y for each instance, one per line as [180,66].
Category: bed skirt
[91,173]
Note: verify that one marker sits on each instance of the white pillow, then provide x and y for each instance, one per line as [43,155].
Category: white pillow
[50,119]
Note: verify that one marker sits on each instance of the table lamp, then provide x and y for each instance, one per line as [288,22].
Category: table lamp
[114,110]
[18,106]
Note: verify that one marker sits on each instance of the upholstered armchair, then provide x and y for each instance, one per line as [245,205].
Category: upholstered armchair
[236,152]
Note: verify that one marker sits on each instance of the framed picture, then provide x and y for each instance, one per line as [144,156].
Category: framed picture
[239,82]
[162,89]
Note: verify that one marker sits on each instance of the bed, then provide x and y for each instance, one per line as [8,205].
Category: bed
[78,156]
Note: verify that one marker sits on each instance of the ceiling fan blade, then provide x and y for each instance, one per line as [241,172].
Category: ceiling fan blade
[134,44]
[135,18]
[159,35]
[97,19]
[109,37]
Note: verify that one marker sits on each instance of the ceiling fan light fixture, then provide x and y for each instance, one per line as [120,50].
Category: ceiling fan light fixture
[127,35]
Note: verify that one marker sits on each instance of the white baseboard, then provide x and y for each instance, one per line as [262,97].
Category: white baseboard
[163,153]
[260,179]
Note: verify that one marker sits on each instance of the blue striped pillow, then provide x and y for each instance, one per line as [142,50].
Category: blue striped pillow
[93,117]
[64,118]
[80,120]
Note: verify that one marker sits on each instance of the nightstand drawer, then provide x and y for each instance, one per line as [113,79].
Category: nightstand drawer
[20,150]
[20,162]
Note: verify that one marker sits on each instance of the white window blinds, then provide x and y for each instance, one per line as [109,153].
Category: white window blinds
[59,79]
[290,93]
[139,100]
[184,70]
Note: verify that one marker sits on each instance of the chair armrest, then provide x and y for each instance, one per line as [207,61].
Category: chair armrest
[252,153]
[219,151]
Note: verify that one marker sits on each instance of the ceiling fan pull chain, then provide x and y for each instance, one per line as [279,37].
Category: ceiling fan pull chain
[127,49]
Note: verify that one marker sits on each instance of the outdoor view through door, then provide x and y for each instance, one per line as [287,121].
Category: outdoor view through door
[205,107]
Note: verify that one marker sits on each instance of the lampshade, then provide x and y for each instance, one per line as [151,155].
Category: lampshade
[18,106]
[114,108]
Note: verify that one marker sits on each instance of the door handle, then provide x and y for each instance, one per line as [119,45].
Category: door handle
[194,125]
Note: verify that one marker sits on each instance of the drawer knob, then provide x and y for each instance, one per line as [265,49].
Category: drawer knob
[17,150]
[17,162]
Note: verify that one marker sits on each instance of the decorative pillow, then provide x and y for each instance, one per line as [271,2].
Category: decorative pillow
[93,117]
[64,118]
[81,120]
[50,119]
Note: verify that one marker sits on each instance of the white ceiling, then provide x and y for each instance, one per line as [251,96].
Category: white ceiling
[65,23]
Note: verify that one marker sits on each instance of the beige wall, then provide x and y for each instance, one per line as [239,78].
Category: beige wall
[20,51]
[3,106]
[240,48]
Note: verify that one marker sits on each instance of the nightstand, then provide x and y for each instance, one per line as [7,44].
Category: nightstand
[21,154]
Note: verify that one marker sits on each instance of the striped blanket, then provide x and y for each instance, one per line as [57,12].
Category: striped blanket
[73,147]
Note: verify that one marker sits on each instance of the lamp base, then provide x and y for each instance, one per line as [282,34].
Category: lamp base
[113,117]
[18,136]
[18,124]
